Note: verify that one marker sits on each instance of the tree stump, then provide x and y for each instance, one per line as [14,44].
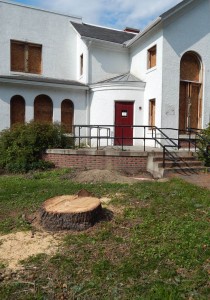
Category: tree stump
[70,212]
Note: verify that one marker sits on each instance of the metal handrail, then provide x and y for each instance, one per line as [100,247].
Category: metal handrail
[201,137]
[157,135]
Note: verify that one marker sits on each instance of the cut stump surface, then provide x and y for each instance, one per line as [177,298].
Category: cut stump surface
[70,212]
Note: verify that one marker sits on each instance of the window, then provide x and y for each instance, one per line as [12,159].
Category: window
[17,110]
[67,114]
[151,57]
[26,57]
[81,64]
[152,112]
[43,109]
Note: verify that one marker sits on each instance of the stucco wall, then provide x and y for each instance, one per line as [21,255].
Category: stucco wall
[107,61]
[153,76]
[53,31]
[188,30]
[102,101]
[29,92]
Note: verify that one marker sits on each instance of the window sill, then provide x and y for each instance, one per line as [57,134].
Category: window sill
[25,74]
[151,70]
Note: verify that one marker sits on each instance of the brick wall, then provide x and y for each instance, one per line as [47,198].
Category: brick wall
[127,161]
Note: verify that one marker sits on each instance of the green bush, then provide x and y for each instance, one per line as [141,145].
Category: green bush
[204,145]
[22,146]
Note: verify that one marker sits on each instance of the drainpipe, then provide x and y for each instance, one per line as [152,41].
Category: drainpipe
[88,44]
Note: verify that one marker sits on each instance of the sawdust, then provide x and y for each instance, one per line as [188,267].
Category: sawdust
[19,246]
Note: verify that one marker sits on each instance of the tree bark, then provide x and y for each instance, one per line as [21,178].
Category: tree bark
[70,213]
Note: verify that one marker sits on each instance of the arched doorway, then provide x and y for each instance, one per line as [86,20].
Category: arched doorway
[67,114]
[17,110]
[43,109]
[190,101]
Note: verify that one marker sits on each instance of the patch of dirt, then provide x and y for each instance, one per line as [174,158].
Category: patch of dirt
[95,176]
[19,246]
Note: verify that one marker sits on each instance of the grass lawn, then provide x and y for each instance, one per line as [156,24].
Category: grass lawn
[155,247]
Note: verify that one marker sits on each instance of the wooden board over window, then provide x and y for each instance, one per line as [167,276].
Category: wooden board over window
[190,67]
[67,115]
[43,109]
[151,57]
[17,110]
[26,57]
[152,112]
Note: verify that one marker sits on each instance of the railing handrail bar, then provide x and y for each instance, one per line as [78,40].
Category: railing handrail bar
[167,137]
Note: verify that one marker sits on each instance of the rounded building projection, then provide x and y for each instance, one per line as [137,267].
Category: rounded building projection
[190,100]
[67,115]
[17,110]
[43,109]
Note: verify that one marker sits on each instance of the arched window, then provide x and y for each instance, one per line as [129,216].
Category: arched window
[17,110]
[190,101]
[43,109]
[67,114]
[190,68]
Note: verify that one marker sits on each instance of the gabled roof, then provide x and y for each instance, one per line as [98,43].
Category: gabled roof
[128,77]
[102,33]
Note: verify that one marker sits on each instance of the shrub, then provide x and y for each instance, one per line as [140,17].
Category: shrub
[22,146]
[204,145]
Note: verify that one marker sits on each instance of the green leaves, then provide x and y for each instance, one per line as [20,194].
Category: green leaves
[22,146]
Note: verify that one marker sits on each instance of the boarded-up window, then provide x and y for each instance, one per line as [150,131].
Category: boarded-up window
[26,57]
[151,57]
[17,110]
[67,115]
[43,109]
[152,112]
[190,67]
[81,64]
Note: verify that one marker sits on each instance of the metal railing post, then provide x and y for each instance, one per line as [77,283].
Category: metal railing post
[122,137]
[164,156]
[79,136]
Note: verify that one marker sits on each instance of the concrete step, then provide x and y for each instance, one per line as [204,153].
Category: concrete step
[185,171]
[175,153]
[181,164]
[183,158]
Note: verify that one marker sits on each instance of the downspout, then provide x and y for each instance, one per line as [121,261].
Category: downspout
[88,44]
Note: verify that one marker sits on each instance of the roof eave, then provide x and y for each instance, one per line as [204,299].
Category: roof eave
[122,45]
[41,83]
[175,9]
[122,84]
[144,32]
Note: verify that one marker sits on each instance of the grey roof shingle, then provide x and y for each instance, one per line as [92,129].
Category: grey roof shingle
[128,77]
[104,34]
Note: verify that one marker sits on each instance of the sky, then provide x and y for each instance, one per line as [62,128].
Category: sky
[110,13]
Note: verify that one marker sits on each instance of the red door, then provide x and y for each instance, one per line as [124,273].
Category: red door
[124,116]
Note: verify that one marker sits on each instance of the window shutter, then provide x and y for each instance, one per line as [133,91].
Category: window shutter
[17,57]
[34,59]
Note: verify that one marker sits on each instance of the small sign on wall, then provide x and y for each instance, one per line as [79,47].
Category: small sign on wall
[124,113]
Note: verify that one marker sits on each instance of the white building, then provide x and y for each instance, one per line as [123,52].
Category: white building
[53,67]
